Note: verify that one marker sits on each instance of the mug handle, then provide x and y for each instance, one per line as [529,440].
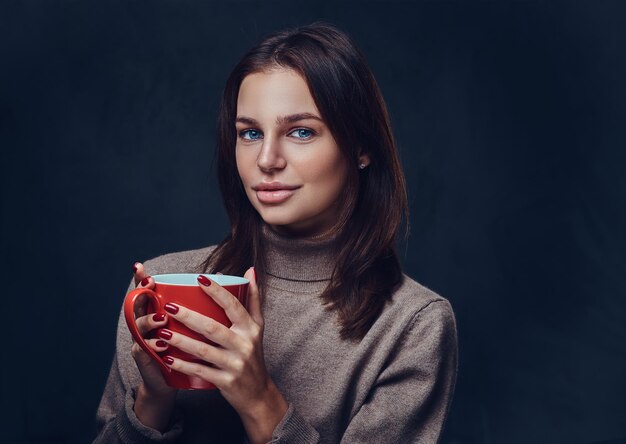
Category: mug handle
[129,314]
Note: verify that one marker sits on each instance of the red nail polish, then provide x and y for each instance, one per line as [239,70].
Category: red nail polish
[168,360]
[204,280]
[171,308]
[161,343]
[135,267]
[165,334]
[158,317]
[145,281]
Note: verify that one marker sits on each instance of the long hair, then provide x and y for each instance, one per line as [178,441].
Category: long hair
[367,269]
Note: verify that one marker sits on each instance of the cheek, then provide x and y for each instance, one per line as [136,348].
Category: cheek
[330,176]
[244,167]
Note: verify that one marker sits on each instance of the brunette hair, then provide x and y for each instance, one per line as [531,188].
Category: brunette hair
[367,270]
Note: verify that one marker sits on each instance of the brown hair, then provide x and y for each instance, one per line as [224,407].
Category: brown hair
[367,269]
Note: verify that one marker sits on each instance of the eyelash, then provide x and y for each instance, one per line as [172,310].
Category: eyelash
[242,134]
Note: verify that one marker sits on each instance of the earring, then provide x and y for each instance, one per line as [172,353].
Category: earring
[362,166]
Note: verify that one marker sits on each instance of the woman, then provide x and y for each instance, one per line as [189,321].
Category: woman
[336,345]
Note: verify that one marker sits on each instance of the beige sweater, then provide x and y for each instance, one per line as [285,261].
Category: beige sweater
[394,386]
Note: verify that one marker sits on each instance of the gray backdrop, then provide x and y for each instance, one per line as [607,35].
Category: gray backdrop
[510,121]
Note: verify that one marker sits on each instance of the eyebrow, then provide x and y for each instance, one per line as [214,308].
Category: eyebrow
[281,119]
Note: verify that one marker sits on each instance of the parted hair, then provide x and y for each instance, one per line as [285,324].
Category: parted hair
[367,269]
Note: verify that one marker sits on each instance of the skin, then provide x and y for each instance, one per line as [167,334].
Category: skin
[281,138]
[240,372]
[155,399]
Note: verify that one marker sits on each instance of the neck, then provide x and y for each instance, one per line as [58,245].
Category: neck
[298,258]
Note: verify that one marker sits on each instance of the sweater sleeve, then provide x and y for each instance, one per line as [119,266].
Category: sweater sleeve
[411,397]
[116,421]
[294,429]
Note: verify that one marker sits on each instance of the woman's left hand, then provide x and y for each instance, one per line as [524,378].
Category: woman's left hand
[238,365]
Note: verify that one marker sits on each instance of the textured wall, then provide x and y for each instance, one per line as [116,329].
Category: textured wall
[510,120]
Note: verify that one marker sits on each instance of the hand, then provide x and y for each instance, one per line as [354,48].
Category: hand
[238,367]
[155,399]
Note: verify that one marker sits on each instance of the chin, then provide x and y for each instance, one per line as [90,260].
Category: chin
[276,216]
[286,223]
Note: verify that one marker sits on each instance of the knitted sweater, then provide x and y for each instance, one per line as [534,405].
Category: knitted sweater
[395,385]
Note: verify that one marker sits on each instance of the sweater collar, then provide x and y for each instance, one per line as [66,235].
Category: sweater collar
[298,259]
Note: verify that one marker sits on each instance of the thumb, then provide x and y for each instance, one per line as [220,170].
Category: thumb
[254,298]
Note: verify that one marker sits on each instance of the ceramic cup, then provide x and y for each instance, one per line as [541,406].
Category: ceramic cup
[182,289]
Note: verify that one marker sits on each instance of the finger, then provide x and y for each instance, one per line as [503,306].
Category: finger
[231,305]
[149,322]
[139,272]
[214,375]
[142,357]
[207,327]
[254,298]
[146,282]
[158,345]
[139,355]
[200,349]
[140,304]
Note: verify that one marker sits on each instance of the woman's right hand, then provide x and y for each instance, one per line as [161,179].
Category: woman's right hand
[155,399]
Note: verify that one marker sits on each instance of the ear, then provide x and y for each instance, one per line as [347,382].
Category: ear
[364,161]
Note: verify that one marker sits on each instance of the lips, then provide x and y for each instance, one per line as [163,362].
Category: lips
[274,192]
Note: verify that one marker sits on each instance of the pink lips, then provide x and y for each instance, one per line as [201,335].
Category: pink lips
[274,192]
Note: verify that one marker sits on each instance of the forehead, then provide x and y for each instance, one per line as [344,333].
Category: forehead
[274,93]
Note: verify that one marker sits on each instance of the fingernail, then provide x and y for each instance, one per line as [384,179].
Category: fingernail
[204,280]
[161,343]
[168,360]
[165,334]
[171,308]
[254,272]
[145,281]
[135,267]
[158,317]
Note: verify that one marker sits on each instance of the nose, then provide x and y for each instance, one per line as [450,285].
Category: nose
[270,157]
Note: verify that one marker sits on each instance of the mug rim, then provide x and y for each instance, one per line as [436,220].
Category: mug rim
[191,279]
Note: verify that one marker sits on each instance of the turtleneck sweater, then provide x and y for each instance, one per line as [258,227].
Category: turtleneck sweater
[394,385]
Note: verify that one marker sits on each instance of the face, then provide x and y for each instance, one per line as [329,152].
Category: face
[290,165]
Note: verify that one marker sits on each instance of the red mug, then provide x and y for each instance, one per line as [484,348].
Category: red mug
[182,289]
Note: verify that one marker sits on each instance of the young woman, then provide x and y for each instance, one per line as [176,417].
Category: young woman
[336,344]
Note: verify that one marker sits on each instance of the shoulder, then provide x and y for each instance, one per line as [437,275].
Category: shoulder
[412,303]
[424,322]
[417,298]
[416,325]
[190,261]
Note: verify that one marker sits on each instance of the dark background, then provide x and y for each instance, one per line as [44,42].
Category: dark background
[510,118]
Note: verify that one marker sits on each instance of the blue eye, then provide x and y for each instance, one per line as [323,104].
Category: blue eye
[302,133]
[251,134]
